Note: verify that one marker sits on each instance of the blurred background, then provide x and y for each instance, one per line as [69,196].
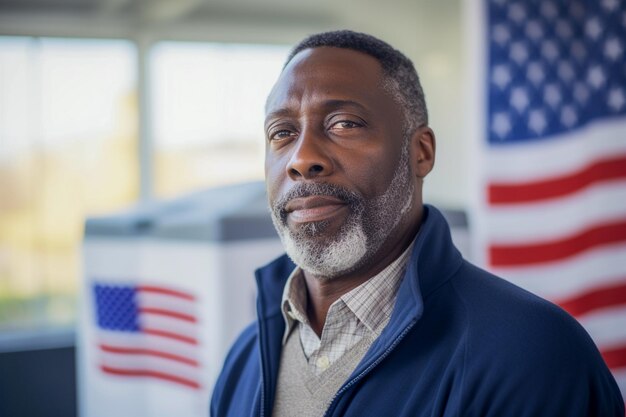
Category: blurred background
[111,107]
[106,104]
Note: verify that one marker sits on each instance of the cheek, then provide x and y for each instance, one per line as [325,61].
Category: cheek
[274,167]
[373,171]
[274,175]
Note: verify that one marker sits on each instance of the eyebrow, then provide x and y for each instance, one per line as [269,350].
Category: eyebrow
[327,104]
[284,112]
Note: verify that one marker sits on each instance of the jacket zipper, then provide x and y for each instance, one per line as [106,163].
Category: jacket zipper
[264,364]
[369,368]
[262,402]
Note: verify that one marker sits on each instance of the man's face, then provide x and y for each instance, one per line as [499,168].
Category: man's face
[337,164]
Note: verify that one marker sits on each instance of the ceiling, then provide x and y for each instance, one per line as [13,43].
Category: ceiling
[188,19]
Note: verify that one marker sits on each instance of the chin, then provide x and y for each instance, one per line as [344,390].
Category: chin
[312,230]
[324,256]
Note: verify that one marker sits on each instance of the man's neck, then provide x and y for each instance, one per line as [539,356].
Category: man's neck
[323,292]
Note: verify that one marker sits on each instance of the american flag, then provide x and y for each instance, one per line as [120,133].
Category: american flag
[148,331]
[552,214]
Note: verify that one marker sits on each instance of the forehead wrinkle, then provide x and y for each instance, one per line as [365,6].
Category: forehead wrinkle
[331,104]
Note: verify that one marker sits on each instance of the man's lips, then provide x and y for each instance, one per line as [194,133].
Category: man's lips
[313,208]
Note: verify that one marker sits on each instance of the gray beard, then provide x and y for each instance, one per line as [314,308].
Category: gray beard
[368,226]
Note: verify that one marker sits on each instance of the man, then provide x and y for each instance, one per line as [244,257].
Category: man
[374,312]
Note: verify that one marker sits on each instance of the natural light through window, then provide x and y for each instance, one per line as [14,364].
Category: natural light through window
[207,102]
[68,150]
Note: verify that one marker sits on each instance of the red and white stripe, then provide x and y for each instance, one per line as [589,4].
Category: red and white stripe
[554,222]
[167,348]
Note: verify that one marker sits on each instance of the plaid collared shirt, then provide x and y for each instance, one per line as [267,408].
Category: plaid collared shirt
[364,310]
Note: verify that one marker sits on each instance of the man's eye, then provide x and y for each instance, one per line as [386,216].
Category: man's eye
[281,134]
[345,124]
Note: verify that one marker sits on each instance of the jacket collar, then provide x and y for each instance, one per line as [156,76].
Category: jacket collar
[433,262]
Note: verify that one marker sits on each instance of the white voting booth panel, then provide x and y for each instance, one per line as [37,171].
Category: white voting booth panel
[166,290]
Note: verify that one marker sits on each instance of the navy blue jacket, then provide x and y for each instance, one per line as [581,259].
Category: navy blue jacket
[460,342]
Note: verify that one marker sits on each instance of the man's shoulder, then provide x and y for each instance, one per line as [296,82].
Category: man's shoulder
[248,334]
[526,348]
[242,350]
[241,364]
[246,341]
[531,340]
[497,309]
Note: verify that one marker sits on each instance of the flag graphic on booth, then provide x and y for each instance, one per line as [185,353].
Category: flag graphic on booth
[148,331]
[552,158]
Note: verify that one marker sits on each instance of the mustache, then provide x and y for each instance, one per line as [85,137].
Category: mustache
[300,190]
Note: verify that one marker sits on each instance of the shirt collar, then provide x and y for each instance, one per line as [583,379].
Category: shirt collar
[371,302]
[294,301]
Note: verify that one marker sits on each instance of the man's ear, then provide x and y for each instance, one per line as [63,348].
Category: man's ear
[423,145]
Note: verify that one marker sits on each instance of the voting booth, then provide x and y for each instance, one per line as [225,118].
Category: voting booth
[166,289]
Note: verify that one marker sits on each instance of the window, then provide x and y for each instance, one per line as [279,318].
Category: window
[68,149]
[208,110]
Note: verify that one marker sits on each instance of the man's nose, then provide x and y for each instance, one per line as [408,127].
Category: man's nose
[310,157]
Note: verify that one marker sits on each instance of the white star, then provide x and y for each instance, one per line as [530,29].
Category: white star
[616,99]
[535,72]
[581,93]
[519,99]
[517,13]
[566,71]
[564,29]
[549,10]
[501,124]
[501,34]
[552,95]
[578,50]
[537,121]
[501,76]
[596,77]
[549,50]
[610,5]
[613,49]
[519,52]
[568,116]
[593,28]
[534,30]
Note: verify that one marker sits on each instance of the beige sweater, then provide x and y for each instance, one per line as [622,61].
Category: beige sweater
[300,392]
